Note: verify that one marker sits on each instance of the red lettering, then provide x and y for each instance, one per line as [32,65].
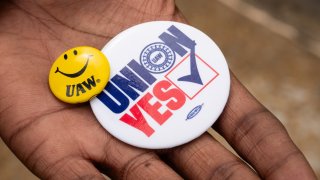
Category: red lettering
[153,109]
[175,97]
[138,121]
[161,91]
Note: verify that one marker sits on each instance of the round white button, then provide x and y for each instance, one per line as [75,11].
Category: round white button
[169,83]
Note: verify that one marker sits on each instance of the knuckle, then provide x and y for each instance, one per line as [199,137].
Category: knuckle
[256,130]
[225,170]
[248,124]
[142,160]
[280,162]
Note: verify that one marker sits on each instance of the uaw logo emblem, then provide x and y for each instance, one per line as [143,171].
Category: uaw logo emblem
[162,86]
[157,58]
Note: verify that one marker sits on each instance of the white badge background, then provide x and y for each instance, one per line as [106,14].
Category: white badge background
[176,130]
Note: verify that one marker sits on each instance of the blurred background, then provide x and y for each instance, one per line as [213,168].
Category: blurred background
[273,46]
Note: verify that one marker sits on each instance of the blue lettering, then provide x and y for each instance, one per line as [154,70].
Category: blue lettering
[127,85]
[130,83]
[177,39]
[142,72]
[123,101]
[175,42]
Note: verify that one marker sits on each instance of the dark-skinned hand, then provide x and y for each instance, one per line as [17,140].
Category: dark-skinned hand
[60,141]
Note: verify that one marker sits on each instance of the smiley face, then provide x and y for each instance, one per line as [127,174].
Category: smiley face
[79,74]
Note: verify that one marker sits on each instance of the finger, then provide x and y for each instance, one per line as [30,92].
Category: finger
[260,138]
[120,160]
[126,162]
[205,158]
[71,168]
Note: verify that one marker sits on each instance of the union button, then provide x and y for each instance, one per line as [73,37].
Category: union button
[169,84]
[79,74]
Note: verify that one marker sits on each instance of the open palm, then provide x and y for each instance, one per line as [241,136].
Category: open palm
[60,141]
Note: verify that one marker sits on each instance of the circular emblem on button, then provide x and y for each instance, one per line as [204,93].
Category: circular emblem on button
[79,74]
[157,58]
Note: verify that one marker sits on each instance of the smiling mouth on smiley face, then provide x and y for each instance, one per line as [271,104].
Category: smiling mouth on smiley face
[78,73]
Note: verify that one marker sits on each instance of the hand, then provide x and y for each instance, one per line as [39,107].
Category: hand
[60,141]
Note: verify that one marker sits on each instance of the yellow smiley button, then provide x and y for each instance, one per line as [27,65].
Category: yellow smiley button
[79,74]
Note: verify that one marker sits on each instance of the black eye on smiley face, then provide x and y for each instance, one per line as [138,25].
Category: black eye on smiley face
[75,52]
[78,73]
